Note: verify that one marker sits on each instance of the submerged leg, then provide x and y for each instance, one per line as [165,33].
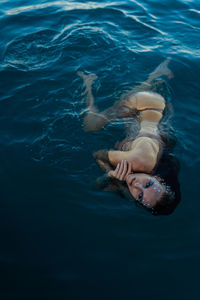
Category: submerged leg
[95,120]
[147,85]
[161,70]
[88,81]
[128,106]
[158,81]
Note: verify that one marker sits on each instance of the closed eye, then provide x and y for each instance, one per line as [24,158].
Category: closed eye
[139,198]
[148,184]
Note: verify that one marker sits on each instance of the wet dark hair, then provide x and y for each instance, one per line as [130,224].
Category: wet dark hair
[168,202]
[168,170]
[165,206]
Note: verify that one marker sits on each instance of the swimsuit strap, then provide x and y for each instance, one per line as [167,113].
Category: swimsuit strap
[156,109]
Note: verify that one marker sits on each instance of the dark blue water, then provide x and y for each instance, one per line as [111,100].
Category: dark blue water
[60,238]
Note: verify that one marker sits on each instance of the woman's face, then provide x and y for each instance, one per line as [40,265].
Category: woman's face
[145,189]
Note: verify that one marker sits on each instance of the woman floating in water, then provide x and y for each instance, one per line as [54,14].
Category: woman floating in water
[142,162]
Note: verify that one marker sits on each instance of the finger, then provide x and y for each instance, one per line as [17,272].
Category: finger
[110,173]
[117,168]
[129,168]
[120,170]
[115,172]
[124,171]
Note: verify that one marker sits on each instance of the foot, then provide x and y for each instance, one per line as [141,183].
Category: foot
[87,79]
[162,69]
[88,98]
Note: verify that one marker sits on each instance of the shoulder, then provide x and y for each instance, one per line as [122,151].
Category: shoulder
[146,145]
[144,154]
[143,164]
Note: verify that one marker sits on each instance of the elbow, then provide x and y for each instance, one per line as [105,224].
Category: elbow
[101,155]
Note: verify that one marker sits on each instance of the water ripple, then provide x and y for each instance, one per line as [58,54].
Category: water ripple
[138,20]
[46,157]
[32,51]
[62,5]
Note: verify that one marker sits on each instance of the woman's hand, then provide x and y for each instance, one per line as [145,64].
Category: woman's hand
[122,170]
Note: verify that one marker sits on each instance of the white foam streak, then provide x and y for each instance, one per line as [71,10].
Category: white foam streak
[194,10]
[143,23]
[65,6]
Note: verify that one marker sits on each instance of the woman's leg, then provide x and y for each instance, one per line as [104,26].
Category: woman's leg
[88,81]
[149,84]
[161,70]
[129,104]
[92,120]
[95,120]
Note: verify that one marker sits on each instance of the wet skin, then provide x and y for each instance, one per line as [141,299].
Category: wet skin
[143,153]
[144,188]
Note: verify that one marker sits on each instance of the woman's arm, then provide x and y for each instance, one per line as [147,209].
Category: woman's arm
[108,160]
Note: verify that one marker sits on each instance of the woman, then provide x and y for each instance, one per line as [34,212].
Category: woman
[142,161]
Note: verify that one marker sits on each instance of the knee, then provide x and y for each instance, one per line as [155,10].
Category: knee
[94,122]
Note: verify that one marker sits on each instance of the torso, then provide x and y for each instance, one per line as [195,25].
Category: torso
[147,146]
[145,149]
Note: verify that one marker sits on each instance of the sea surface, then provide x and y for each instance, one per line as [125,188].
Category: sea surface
[60,238]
